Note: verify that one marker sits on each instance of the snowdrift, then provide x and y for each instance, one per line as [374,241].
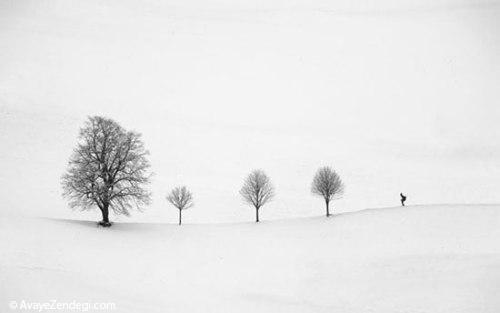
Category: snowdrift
[442,258]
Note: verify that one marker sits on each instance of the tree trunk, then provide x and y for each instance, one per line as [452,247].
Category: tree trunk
[105,215]
[327,208]
[180,217]
[256,215]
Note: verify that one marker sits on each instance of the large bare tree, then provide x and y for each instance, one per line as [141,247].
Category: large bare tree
[257,190]
[108,169]
[182,199]
[327,184]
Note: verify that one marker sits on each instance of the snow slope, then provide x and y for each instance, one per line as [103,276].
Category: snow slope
[440,258]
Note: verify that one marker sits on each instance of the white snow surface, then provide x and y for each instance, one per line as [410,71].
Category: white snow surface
[416,259]
[397,96]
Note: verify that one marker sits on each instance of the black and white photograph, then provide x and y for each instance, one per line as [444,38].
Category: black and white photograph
[250,156]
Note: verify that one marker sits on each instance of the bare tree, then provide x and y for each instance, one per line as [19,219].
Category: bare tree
[328,185]
[257,190]
[181,198]
[107,169]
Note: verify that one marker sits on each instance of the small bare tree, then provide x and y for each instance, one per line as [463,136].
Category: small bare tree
[257,190]
[328,185]
[107,169]
[181,198]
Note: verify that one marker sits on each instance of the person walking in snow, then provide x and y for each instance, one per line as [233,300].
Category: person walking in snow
[403,199]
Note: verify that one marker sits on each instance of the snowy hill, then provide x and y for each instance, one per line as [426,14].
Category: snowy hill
[396,95]
[441,258]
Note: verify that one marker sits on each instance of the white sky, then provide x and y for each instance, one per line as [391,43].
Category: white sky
[397,96]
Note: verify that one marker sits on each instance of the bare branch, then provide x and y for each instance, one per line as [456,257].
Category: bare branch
[181,198]
[257,190]
[327,184]
[108,168]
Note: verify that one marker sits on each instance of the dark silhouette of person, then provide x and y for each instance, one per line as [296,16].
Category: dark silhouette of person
[403,199]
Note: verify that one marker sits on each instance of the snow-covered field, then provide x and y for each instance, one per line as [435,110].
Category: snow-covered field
[415,259]
[396,95]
